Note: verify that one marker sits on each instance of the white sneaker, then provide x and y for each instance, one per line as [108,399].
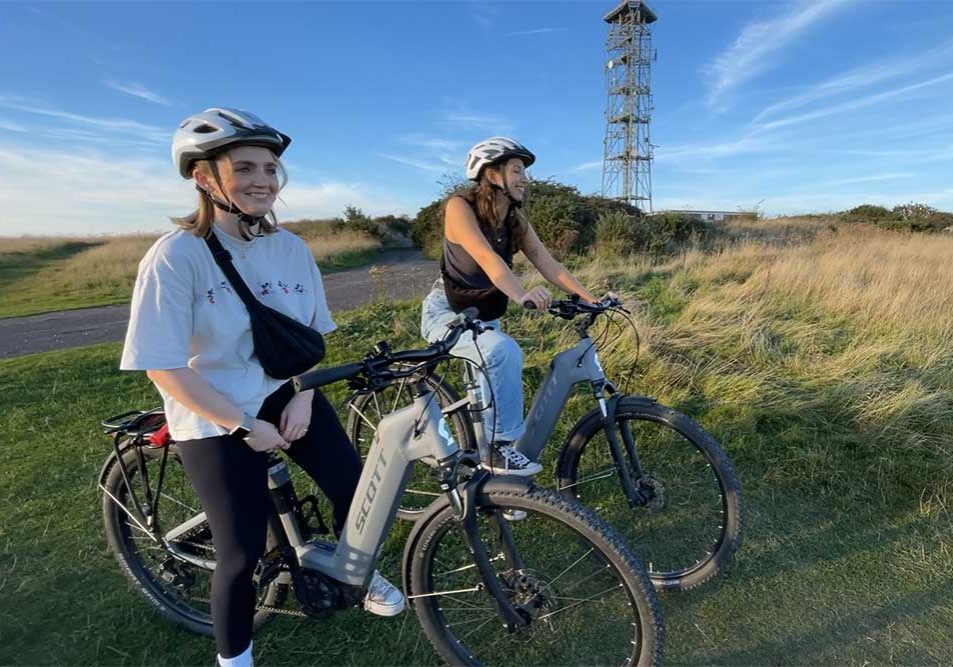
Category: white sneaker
[504,460]
[383,598]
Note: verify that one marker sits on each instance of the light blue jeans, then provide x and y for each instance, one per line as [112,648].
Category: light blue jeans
[501,355]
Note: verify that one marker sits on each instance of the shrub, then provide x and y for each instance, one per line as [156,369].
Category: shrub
[663,232]
[427,229]
[866,213]
[616,234]
[564,219]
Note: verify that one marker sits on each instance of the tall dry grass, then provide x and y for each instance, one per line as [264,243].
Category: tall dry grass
[338,243]
[41,274]
[824,354]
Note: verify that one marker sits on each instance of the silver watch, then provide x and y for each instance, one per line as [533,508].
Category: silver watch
[244,429]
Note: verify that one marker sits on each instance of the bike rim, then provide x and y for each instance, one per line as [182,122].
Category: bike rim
[183,586]
[684,523]
[580,608]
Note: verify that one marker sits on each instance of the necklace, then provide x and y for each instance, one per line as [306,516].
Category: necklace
[236,246]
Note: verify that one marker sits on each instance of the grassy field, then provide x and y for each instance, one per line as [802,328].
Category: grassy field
[44,274]
[820,358]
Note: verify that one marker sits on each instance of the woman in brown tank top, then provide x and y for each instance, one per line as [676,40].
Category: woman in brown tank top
[483,229]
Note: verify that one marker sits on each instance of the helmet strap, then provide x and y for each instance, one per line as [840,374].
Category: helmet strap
[247,222]
[504,188]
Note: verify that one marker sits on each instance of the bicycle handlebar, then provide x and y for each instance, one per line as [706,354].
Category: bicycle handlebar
[376,367]
[569,308]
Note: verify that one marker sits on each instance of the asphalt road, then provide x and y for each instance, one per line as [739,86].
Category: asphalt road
[397,274]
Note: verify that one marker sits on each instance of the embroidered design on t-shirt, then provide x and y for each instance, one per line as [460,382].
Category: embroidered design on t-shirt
[225,286]
[284,287]
[210,295]
[265,289]
[299,288]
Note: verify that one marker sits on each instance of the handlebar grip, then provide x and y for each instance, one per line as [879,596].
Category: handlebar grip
[324,376]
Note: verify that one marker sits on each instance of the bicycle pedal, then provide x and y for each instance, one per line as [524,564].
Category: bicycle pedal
[514,515]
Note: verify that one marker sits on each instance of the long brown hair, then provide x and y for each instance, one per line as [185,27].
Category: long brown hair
[482,198]
[199,221]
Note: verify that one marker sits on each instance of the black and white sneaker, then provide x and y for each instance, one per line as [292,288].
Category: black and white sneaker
[504,460]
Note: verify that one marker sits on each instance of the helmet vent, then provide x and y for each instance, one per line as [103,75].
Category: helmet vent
[205,128]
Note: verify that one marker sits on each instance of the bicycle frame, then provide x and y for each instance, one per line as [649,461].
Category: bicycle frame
[576,365]
[403,437]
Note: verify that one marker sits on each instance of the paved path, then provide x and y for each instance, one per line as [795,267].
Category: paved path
[400,274]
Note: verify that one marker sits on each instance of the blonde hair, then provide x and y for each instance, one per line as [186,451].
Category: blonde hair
[199,221]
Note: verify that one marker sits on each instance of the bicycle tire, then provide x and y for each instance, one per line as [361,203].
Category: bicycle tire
[687,470]
[566,630]
[365,412]
[159,577]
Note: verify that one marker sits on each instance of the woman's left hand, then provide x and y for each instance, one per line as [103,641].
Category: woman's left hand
[296,417]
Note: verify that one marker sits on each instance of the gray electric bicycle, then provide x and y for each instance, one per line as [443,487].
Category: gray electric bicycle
[557,588]
[655,475]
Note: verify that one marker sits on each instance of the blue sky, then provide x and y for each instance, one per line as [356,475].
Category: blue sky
[802,106]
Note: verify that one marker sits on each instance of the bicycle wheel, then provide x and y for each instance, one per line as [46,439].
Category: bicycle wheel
[687,524]
[584,594]
[366,411]
[179,590]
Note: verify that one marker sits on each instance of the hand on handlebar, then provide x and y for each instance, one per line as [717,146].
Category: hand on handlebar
[611,299]
[537,298]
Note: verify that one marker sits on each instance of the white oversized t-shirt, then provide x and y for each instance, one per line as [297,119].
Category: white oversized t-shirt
[185,313]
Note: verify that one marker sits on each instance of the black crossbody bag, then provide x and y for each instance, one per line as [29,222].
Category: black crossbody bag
[284,346]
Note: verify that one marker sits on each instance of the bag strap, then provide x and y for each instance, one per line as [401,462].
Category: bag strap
[224,260]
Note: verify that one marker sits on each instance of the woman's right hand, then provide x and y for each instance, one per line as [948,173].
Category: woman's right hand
[538,296]
[264,437]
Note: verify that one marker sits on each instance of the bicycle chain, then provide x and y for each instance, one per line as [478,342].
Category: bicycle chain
[268,608]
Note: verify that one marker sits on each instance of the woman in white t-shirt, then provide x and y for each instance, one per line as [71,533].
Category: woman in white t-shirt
[191,333]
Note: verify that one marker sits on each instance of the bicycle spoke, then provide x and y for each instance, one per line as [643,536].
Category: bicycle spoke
[605,474]
[572,606]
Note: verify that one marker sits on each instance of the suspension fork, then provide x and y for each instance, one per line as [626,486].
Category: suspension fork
[609,407]
[464,505]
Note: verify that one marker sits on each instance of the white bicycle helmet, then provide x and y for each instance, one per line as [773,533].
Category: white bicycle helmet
[493,151]
[206,134]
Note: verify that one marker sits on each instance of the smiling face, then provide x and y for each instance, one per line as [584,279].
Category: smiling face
[514,174]
[249,179]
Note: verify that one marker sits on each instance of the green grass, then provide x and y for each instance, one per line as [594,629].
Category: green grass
[847,555]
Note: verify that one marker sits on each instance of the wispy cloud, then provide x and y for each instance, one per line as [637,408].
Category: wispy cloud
[89,192]
[328,199]
[432,143]
[476,119]
[857,103]
[585,166]
[870,179]
[411,162]
[862,77]
[148,133]
[485,13]
[759,44]
[534,31]
[718,149]
[86,192]
[11,126]
[138,90]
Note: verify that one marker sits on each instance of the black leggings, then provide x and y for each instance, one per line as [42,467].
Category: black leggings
[231,480]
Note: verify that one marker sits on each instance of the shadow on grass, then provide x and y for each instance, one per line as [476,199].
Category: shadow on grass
[796,647]
[16,266]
